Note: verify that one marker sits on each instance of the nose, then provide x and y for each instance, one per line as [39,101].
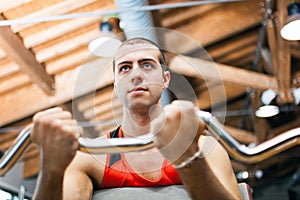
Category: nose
[137,75]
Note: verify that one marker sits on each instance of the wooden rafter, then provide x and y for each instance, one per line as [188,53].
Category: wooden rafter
[206,29]
[196,67]
[241,135]
[284,58]
[57,9]
[69,85]
[16,51]
[219,94]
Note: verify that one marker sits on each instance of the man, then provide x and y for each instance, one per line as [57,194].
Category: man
[139,79]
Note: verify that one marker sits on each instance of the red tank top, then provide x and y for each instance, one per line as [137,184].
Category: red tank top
[118,173]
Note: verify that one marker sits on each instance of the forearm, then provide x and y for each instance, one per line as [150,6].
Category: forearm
[201,183]
[49,186]
[210,176]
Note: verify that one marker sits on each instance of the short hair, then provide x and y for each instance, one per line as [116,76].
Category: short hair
[140,40]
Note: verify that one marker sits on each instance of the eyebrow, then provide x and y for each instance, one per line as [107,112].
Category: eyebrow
[139,61]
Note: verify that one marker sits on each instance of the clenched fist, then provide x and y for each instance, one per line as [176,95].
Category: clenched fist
[177,131]
[56,133]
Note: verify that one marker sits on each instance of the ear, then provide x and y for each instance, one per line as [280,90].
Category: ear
[114,82]
[167,77]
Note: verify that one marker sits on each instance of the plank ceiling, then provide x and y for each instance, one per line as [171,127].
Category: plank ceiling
[42,64]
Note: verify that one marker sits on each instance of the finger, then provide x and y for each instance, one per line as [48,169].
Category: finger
[69,125]
[75,131]
[58,115]
[183,103]
[48,117]
[68,122]
[48,111]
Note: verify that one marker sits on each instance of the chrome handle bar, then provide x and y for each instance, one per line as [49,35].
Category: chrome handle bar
[238,151]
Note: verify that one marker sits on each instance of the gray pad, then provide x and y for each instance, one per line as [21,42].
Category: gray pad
[145,193]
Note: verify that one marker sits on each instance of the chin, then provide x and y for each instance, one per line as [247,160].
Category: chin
[138,105]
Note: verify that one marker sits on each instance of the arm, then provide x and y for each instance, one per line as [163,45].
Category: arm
[77,184]
[210,176]
[83,174]
[56,133]
[179,136]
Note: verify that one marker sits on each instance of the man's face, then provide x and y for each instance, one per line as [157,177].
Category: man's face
[139,78]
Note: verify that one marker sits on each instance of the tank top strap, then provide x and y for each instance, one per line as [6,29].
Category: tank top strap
[113,158]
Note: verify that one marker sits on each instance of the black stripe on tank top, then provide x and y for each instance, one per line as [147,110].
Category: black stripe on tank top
[114,157]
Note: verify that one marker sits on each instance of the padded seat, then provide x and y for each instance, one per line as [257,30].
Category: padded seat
[173,192]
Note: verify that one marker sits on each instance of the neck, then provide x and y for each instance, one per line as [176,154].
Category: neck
[137,122]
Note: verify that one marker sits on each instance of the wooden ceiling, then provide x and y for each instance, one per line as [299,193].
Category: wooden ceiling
[48,64]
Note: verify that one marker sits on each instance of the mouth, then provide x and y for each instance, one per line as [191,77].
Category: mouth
[138,89]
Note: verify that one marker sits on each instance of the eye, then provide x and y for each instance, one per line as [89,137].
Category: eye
[124,68]
[147,65]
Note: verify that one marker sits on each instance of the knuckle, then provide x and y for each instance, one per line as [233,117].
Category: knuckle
[57,123]
[40,121]
[67,114]
[38,117]
[177,113]
[57,108]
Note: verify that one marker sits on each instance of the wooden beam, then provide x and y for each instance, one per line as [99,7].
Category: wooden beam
[219,95]
[295,53]
[8,68]
[31,167]
[174,18]
[70,85]
[101,110]
[56,9]
[66,46]
[203,69]
[232,45]
[69,60]
[60,30]
[272,41]
[246,51]
[13,82]
[112,115]
[7,139]
[16,51]
[284,58]
[78,116]
[260,125]
[245,62]
[96,99]
[2,53]
[47,31]
[214,27]
[243,136]
[6,5]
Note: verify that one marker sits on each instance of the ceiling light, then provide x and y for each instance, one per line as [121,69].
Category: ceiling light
[291,29]
[268,96]
[296,94]
[104,46]
[107,43]
[267,111]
